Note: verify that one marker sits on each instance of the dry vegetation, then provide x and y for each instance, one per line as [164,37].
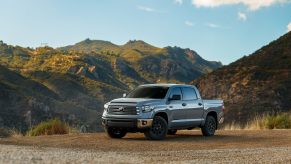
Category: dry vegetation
[4,132]
[278,121]
[50,127]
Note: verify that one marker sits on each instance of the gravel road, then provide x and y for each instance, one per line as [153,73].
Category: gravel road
[28,154]
[186,147]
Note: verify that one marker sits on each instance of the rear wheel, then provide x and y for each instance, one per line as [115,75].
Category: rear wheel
[172,131]
[158,130]
[115,132]
[209,127]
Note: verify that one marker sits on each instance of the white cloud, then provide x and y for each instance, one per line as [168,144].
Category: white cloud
[212,25]
[289,27]
[242,16]
[179,2]
[189,23]
[147,9]
[251,4]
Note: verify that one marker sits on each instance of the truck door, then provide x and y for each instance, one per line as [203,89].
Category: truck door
[175,108]
[192,106]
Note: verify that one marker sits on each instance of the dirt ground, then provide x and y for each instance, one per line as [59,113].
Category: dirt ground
[238,146]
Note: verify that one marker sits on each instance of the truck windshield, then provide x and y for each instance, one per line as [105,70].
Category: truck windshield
[151,92]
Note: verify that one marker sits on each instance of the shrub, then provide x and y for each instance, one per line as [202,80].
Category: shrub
[4,133]
[281,121]
[278,121]
[15,133]
[50,127]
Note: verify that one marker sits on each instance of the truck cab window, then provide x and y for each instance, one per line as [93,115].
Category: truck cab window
[189,93]
[176,91]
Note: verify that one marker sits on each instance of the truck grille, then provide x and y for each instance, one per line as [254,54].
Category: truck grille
[122,110]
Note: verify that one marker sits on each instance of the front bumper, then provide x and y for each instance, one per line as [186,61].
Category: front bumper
[127,123]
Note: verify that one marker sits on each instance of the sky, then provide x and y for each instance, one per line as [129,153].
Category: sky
[218,30]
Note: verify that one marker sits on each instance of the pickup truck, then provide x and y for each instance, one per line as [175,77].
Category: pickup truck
[160,109]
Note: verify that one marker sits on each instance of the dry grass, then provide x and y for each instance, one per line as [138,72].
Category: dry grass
[50,127]
[15,133]
[232,126]
[4,132]
[74,131]
[278,121]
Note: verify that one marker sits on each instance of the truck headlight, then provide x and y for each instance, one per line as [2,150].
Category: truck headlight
[106,106]
[147,108]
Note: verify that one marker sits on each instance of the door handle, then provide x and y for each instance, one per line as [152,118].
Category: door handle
[200,104]
[184,104]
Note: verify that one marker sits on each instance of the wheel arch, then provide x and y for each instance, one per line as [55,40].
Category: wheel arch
[163,115]
[213,114]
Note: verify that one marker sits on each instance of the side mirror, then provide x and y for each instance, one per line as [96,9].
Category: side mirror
[175,97]
[124,95]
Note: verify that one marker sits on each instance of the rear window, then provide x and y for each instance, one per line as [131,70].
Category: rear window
[189,93]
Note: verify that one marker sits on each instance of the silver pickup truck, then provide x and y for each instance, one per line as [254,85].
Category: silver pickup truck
[160,109]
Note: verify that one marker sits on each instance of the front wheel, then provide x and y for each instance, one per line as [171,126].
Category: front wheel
[209,127]
[115,132]
[158,130]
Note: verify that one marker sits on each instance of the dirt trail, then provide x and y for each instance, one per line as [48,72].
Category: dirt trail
[187,146]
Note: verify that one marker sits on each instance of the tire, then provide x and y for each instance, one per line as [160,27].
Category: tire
[159,129]
[115,132]
[209,127]
[172,131]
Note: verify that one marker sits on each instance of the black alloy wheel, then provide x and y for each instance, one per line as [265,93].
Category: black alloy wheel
[210,126]
[158,130]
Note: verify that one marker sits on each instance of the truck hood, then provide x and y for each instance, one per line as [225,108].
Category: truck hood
[139,101]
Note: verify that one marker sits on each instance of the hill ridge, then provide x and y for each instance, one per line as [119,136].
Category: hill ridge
[253,85]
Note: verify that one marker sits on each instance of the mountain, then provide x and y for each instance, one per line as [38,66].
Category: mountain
[136,58]
[92,45]
[253,85]
[74,82]
[139,45]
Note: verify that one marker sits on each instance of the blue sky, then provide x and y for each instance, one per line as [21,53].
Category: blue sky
[220,30]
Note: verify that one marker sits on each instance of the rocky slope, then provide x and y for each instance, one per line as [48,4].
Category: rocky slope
[254,85]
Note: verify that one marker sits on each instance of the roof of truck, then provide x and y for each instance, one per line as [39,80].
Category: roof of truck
[166,85]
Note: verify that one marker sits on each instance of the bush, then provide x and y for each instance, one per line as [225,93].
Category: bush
[4,133]
[281,121]
[50,127]
[278,121]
